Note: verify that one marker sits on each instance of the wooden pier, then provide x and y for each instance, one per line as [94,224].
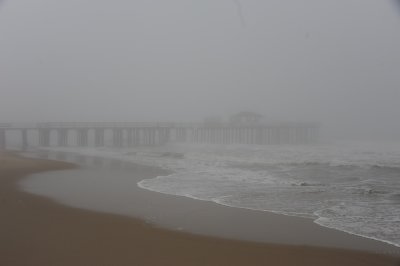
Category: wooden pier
[122,134]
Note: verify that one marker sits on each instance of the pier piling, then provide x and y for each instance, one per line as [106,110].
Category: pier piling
[25,144]
[44,137]
[2,139]
[151,134]
[118,137]
[82,137]
[99,137]
[62,137]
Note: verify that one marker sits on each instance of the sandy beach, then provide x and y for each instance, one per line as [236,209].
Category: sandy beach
[38,231]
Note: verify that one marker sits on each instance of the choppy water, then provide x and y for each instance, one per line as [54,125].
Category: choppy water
[352,187]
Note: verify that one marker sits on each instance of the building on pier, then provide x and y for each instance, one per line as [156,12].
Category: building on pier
[246,118]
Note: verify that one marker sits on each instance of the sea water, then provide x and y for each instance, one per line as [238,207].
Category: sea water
[349,186]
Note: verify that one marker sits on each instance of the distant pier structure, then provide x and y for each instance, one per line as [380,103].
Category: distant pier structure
[241,129]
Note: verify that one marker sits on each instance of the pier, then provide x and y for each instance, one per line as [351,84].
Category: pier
[130,134]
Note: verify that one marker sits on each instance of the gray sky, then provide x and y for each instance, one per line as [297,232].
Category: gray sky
[334,61]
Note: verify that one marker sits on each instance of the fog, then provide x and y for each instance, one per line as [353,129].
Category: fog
[336,62]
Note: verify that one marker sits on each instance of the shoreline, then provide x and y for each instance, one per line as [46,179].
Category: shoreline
[283,214]
[40,231]
[260,226]
[89,157]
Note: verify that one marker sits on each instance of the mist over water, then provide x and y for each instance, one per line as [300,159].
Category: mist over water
[332,62]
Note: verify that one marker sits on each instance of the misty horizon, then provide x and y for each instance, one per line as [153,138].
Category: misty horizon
[334,62]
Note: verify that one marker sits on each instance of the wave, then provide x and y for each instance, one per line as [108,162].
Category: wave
[319,217]
[286,180]
[360,221]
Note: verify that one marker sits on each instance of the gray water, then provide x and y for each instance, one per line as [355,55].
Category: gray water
[352,187]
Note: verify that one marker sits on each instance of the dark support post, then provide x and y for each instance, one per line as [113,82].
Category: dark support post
[280,135]
[99,137]
[142,136]
[177,134]
[82,137]
[182,135]
[2,139]
[196,135]
[258,135]
[201,135]
[290,135]
[214,132]
[271,133]
[129,137]
[62,137]
[304,135]
[136,137]
[44,137]
[213,135]
[240,134]
[310,134]
[227,135]
[296,135]
[316,134]
[283,135]
[118,137]
[288,141]
[145,135]
[24,133]
[155,136]
[150,136]
[161,135]
[307,135]
[167,134]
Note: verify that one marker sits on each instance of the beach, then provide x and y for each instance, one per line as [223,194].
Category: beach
[39,231]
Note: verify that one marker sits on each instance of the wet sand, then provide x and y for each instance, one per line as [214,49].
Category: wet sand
[39,231]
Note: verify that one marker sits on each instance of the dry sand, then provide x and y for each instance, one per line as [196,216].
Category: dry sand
[38,231]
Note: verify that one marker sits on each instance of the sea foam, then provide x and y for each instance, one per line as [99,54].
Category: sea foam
[346,186]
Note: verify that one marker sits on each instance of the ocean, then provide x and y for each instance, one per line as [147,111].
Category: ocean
[349,186]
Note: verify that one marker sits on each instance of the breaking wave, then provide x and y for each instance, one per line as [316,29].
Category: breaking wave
[352,187]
